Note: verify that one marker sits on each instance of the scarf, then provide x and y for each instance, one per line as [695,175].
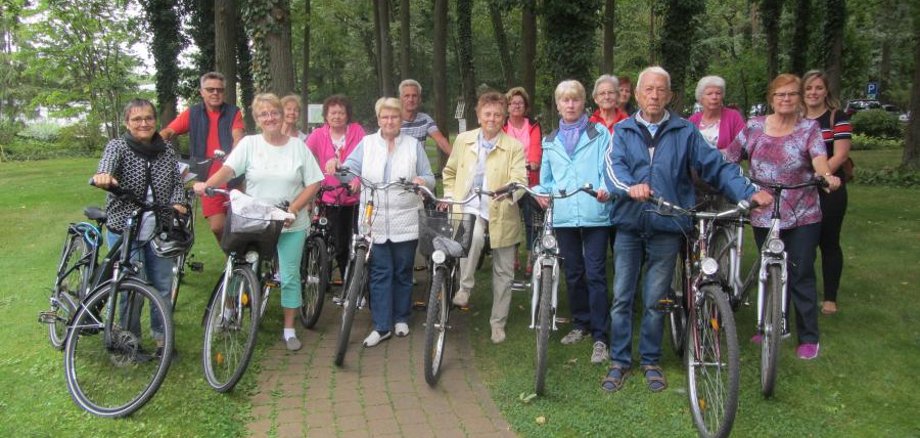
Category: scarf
[147,151]
[569,133]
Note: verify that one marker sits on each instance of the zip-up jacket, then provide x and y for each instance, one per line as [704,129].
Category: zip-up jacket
[664,163]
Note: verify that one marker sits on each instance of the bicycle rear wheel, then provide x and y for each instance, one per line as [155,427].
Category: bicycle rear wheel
[677,317]
[544,325]
[713,364]
[231,327]
[772,330]
[72,278]
[438,312]
[350,306]
[314,279]
[115,377]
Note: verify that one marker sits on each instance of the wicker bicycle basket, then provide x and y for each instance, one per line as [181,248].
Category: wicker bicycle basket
[433,223]
[242,233]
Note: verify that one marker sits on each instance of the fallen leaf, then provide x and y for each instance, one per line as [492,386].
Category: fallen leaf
[541,420]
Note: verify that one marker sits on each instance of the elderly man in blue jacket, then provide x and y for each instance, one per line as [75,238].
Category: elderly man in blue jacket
[652,153]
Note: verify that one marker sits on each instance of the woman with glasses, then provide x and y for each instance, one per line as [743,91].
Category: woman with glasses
[292,107]
[278,168]
[527,131]
[787,148]
[606,95]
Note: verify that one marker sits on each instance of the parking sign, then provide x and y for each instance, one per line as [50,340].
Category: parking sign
[872,90]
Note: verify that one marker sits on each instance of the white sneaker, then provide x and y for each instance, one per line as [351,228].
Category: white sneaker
[574,336]
[599,353]
[498,335]
[462,298]
[375,338]
[402,329]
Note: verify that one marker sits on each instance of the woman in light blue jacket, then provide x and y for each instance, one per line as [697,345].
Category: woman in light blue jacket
[573,156]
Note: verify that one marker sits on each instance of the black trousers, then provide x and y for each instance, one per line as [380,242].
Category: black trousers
[833,209]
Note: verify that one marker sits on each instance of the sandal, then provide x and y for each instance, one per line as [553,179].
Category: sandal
[616,377]
[829,307]
[654,378]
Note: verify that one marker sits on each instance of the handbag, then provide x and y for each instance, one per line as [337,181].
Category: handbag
[848,167]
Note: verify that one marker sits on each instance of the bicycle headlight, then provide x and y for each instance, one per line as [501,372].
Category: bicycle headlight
[251,257]
[775,246]
[323,221]
[548,242]
[438,256]
[709,266]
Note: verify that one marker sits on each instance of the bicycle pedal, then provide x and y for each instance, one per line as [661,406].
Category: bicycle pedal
[272,284]
[666,305]
[48,317]
[520,286]
[196,266]
[419,305]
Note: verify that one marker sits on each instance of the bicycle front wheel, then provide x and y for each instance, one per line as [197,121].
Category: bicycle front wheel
[772,329]
[713,364]
[231,326]
[72,278]
[314,278]
[677,317]
[114,366]
[350,306]
[438,312]
[544,325]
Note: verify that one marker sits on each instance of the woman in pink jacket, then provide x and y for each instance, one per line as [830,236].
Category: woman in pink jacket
[718,124]
[337,138]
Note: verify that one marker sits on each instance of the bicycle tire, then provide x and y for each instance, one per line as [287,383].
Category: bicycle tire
[677,317]
[116,380]
[68,288]
[350,306]
[713,364]
[314,280]
[230,335]
[544,324]
[437,315]
[772,330]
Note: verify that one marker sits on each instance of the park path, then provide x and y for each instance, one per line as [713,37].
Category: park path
[379,392]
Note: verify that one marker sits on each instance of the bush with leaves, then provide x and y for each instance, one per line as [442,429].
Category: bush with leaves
[864,142]
[876,123]
[41,131]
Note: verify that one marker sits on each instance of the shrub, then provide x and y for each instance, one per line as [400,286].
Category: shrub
[876,123]
[8,131]
[82,138]
[41,131]
[888,177]
[864,142]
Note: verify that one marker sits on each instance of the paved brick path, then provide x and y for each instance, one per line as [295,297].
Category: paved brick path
[379,391]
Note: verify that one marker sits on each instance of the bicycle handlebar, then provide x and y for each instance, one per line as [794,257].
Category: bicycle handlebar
[372,185]
[587,188]
[129,196]
[741,209]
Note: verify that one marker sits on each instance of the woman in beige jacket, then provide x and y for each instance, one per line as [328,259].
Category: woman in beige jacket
[490,159]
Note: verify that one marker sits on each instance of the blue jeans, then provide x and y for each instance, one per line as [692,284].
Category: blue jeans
[391,283]
[156,270]
[659,251]
[584,258]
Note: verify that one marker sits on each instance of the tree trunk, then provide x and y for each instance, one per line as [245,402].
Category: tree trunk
[247,85]
[652,44]
[798,48]
[678,36]
[771,11]
[834,25]
[529,48]
[501,41]
[884,70]
[609,36]
[278,42]
[385,53]
[166,45]
[305,74]
[467,66]
[203,35]
[226,22]
[405,52]
[439,70]
[911,158]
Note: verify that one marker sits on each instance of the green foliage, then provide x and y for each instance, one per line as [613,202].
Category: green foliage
[876,123]
[679,31]
[865,142]
[892,177]
[165,44]
[41,131]
[8,131]
[569,53]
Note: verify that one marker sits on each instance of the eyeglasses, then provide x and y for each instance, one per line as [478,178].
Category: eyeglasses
[516,104]
[140,120]
[607,93]
[212,90]
[269,115]
[782,96]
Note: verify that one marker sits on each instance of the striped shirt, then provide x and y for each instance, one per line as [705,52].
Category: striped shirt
[842,130]
[420,127]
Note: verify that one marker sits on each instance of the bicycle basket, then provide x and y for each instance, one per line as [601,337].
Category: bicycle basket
[433,223]
[537,213]
[241,233]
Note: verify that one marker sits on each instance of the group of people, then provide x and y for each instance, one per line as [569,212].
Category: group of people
[627,154]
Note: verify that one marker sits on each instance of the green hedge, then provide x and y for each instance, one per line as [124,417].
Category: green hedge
[876,123]
[865,142]
[887,177]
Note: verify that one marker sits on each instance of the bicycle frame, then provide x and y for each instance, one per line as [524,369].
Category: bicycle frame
[770,257]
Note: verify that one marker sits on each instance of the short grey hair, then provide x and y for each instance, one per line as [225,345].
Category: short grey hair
[608,79]
[569,88]
[410,83]
[138,103]
[387,103]
[212,75]
[706,82]
[656,70]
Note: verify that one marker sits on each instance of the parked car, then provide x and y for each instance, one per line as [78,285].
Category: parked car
[757,109]
[856,105]
[904,117]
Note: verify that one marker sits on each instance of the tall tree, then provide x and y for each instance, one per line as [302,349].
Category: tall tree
[679,33]
[835,19]
[247,84]
[269,27]
[163,21]
[385,52]
[439,63]
[911,157]
[201,14]
[465,54]
[305,74]
[529,47]
[405,52]
[770,14]
[501,41]
[11,81]
[570,39]
[798,48]
[609,20]
[226,22]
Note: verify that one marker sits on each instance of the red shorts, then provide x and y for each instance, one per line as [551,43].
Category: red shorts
[211,205]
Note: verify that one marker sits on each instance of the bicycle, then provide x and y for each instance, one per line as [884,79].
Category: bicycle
[230,323]
[355,285]
[544,277]
[444,237]
[709,336]
[316,264]
[112,368]
[772,301]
